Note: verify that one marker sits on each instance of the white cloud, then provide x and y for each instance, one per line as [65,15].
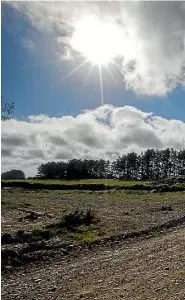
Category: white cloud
[104,132]
[28,44]
[153,33]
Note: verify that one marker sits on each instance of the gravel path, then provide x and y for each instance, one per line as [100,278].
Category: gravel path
[150,268]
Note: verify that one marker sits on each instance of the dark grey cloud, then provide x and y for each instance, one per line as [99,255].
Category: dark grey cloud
[13,140]
[6,153]
[143,138]
[35,153]
[57,140]
[63,155]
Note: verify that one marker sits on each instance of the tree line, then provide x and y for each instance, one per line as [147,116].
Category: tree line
[151,164]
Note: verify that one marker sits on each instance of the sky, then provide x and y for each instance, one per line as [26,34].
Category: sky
[91,79]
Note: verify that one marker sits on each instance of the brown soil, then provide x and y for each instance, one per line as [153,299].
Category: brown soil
[144,267]
[152,268]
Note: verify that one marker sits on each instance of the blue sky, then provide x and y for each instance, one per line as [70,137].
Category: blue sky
[58,118]
[28,81]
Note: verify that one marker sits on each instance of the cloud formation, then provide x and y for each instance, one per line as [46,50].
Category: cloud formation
[28,44]
[153,59]
[105,132]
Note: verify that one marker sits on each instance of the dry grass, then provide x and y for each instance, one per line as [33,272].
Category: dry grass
[118,211]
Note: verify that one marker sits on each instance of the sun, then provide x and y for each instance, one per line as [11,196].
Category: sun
[97,40]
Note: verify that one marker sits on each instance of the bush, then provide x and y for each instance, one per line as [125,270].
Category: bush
[78,218]
[75,219]
[13,174]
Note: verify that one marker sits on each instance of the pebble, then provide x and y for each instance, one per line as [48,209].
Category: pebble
[37,279]
[99,281]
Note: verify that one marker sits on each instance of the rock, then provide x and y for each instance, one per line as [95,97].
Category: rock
[7,238]
[37,279]
[100,281]
[166,208]
[8,268]
[31,216]
[8,253]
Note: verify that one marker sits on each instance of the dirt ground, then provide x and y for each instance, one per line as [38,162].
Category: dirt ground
[118,211]
[150,267]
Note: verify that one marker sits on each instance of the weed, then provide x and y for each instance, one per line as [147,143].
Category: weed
[75,219]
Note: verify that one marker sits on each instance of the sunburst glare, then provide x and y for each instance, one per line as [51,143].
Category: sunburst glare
[98,41]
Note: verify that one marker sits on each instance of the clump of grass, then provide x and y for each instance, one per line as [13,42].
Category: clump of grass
[79,226]
[75,219]
[85,236]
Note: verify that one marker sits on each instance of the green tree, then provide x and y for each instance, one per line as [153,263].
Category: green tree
[13,174]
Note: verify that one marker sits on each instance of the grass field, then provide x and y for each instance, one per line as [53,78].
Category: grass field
[109,182]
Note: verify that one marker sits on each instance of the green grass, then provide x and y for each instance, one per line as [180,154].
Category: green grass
[109,182]
[85,234]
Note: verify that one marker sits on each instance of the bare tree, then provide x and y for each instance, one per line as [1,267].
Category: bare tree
[7,109]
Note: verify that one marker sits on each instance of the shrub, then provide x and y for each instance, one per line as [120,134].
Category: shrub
[75,219]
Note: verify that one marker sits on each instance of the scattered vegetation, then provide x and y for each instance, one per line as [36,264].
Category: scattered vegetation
[78,225]
[37,220]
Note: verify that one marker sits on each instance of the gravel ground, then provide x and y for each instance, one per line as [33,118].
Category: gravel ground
[137,268]
[150,268]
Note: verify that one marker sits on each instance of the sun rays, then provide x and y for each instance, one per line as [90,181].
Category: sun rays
[72,72]
[101,85]
[94,42]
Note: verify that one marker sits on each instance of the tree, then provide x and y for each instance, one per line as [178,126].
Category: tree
[132,165]
[181,158]
[52,170]
[7,109]
[149,165]
[13,174]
